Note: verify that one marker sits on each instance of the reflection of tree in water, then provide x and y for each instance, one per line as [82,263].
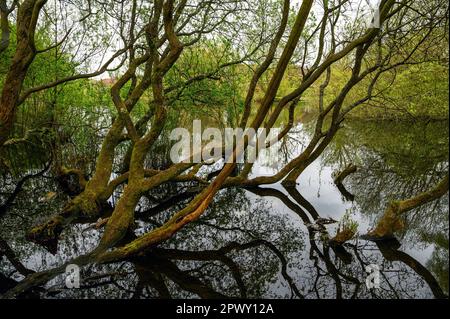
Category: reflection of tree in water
[438,262]
[396,162]
[235,219]
[217,252]
[246,246]
[339,272]
[243,247]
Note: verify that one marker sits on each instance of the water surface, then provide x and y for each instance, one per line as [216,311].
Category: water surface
[261,243]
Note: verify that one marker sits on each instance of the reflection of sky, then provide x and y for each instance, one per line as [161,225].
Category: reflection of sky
[397,273]
[316,185]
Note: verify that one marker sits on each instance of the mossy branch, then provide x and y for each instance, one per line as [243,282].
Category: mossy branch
[391,221]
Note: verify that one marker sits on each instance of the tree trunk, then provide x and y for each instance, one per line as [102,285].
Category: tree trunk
[391,221]
[21,61]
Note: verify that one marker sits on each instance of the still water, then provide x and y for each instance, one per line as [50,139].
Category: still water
[264,243]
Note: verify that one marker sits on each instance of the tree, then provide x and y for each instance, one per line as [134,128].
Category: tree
[13,93]
[154,41]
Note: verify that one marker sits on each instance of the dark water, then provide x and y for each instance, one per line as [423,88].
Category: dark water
[261,242]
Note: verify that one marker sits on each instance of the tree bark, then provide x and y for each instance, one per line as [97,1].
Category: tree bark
[391,221]
[27,17]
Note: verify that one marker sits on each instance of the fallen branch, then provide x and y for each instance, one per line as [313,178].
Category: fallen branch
[392,222]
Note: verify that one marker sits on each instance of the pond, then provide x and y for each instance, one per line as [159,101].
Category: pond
[264,242]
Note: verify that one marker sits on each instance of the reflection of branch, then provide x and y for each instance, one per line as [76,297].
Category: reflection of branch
[363,267]
[10,254]
[325,255]
[285,200]
[299,211]
[390,252]
[347,195]
[220,255]
[167,203]
[155,280]
[338,181]
[224,228]
[237,275]
[283,261]
[4,207]
[303,202]
[181,278]
[96,282]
